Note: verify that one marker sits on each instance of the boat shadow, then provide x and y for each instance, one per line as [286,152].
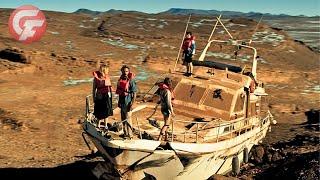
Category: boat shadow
[79,169]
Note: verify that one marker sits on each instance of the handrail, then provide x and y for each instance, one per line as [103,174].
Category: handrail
[237,125]
[219,125]
[89,106]
[233,42]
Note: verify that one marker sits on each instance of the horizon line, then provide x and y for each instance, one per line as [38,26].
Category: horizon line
[127,10]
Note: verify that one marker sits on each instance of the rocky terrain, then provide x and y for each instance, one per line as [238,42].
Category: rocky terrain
[43,86]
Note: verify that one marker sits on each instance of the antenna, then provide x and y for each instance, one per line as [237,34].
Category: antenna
[203,54]
[214,28]
[218,18]
[255,30]
[185,31]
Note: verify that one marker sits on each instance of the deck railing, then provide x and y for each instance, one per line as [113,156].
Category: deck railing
[89,105]
[219,130]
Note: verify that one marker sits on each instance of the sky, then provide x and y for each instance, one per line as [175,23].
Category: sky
[291,7]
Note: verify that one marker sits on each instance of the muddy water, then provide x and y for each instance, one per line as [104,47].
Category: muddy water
[300,29]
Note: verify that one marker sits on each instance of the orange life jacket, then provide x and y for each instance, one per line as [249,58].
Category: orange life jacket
[252,86]
[187,42]
[164,86]
[103,84]
[123,85]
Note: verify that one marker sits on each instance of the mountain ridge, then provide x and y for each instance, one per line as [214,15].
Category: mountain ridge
[183,11]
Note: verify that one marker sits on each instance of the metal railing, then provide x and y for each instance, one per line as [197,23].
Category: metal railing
[223,129]
[89,107]
[219,130]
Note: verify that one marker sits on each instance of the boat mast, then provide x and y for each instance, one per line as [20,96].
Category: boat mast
[254,64]
[203,54]
[184,34]
[233,42]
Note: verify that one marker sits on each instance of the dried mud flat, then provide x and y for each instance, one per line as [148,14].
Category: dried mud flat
[43,86]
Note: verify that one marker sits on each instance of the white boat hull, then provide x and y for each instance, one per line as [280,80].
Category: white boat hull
[138,159]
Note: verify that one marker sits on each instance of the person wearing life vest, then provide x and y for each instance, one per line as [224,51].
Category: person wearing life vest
[126,89]
[188,47]
[253,82]
[102,94]
[166,97]
[252,86]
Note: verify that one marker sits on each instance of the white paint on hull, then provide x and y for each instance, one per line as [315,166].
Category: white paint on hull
[206,159]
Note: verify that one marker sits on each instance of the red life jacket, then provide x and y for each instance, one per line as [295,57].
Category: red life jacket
[123,85]
[252,86]
[187,42]
[164,86]
[103,84]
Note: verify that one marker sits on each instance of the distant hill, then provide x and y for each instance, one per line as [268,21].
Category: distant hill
[110,11]
[87,11]
[181,11]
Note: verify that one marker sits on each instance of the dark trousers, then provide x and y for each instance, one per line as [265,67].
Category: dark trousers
[127,122]
[103,106]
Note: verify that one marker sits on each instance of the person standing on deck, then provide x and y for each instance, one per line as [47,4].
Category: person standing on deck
[126,89]
[102,94]
[189,49]
[166,97]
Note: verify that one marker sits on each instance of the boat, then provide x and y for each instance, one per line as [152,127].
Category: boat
[220,115]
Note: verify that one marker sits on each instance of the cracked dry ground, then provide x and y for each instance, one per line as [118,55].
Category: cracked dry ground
[39,115]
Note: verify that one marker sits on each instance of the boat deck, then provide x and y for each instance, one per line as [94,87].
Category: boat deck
[184,127]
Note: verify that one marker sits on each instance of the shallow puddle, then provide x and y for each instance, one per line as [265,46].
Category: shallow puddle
[268,37]
[314,89]
[72,82]
[120,43]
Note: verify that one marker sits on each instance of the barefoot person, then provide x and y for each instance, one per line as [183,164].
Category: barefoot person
[188,48]
[102,96]
[166,96]
[126,89]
